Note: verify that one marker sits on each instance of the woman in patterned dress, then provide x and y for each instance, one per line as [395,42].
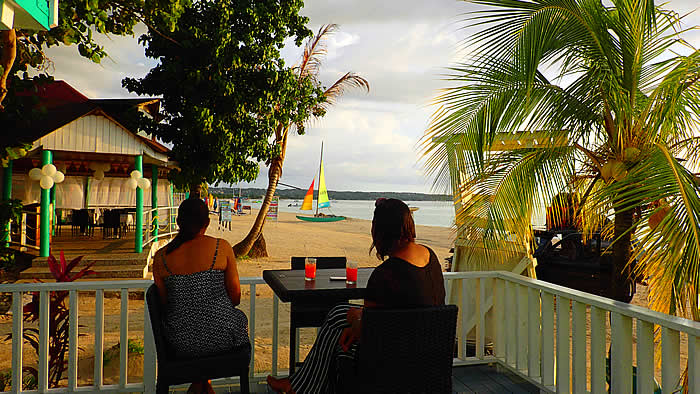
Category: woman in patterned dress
[411,276]
[197,279]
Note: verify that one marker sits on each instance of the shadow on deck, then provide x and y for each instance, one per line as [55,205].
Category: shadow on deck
[470,379]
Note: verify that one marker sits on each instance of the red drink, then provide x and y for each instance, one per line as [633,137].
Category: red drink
[351,275]
[310,271]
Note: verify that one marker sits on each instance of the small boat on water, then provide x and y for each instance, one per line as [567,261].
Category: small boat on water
[323,200]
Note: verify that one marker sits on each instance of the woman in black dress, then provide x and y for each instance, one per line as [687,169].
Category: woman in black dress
[411,276]
[197,279]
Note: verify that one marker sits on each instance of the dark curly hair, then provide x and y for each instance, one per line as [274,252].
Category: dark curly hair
[192,216]
[392,226]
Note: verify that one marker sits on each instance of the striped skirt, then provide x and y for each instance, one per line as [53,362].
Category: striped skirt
[319,374]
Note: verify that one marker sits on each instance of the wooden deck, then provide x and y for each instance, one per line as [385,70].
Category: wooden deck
[486,379]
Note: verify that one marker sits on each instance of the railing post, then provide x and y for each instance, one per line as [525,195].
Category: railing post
[99,337]
[124,338]
[563,348]
[251,329]
[498,318]
[511,327]
[275,332]
[17,340]
[693,364]
[149,350]
[521,328]
[462,337]
[23,233]
[578,339]
[533,331]
[621,353]
[670,359]
[73,340]
[598,379]
[645,357]
[43,361]
[547,367]
[480,312]
[154,200]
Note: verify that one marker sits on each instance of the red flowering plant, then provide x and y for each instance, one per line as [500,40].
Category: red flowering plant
[58,321]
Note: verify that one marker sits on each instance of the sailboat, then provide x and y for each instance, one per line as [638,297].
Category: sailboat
[323,201]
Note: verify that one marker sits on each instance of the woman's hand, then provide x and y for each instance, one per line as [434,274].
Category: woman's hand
[351,334]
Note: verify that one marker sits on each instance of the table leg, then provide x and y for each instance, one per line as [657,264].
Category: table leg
[292,348]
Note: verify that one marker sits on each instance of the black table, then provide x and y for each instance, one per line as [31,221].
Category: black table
[311,300]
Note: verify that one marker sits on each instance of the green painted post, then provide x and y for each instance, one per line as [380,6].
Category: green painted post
[154,199]
[52,201]
[138,240]
[45,215]
[6,196]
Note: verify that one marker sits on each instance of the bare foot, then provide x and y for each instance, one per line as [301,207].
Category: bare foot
[280,385]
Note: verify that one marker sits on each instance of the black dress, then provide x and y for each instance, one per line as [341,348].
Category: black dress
[201,319]
[394,283]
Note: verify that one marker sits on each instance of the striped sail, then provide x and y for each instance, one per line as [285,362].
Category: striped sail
[323,201]
[308,203]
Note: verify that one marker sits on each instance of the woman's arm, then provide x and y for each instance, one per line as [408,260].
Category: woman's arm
[158,276]
[233,285]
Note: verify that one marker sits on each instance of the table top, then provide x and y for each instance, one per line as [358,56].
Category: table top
[290,285]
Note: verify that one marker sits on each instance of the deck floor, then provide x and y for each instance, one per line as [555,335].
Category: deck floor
[479,379]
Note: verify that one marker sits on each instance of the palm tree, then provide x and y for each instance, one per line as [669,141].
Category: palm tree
[605,103]
[307,69]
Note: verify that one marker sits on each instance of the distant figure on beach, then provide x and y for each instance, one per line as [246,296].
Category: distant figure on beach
[411,276]
[197,279]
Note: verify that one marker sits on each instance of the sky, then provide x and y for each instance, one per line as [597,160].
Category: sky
[402,47]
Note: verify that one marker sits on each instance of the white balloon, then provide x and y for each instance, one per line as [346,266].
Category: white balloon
[136,174]
[143,183]
[99,175]
[58,177]
[35,174]
[131,183]
[48,169]
[46,182]
[106,167]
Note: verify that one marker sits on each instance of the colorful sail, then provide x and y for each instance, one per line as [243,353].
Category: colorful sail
[308,203]
[323,201]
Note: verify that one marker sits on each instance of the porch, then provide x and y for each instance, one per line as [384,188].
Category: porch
[552,337]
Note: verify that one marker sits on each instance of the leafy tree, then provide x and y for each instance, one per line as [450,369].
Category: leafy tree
[617,126]
[307,71]
[78,20]
[225,88]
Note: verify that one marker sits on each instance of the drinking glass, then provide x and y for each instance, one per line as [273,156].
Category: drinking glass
[351,272]
[310,268]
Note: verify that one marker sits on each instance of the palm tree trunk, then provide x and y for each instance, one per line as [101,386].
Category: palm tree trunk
[621,285]
[242,248]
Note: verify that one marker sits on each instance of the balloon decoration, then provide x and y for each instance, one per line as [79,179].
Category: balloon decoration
[47,176]
[100,169]
[137,180]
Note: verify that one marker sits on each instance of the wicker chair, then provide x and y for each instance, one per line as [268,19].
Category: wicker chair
[305,315]
[403,351]
[173,371]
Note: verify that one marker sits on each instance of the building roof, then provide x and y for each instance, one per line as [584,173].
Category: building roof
[60,104]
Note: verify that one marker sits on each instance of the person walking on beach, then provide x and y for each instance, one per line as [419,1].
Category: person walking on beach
[411,276]
[197,279]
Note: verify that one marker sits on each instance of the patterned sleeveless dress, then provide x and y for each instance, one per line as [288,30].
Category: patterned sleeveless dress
[200,317]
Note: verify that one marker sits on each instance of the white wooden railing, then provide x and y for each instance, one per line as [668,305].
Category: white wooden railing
[538,330]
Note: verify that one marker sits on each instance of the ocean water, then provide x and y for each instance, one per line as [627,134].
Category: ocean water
[429,213]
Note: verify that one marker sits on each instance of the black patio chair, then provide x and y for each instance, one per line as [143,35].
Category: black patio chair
[172,371]
[309,315]
[403,351]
